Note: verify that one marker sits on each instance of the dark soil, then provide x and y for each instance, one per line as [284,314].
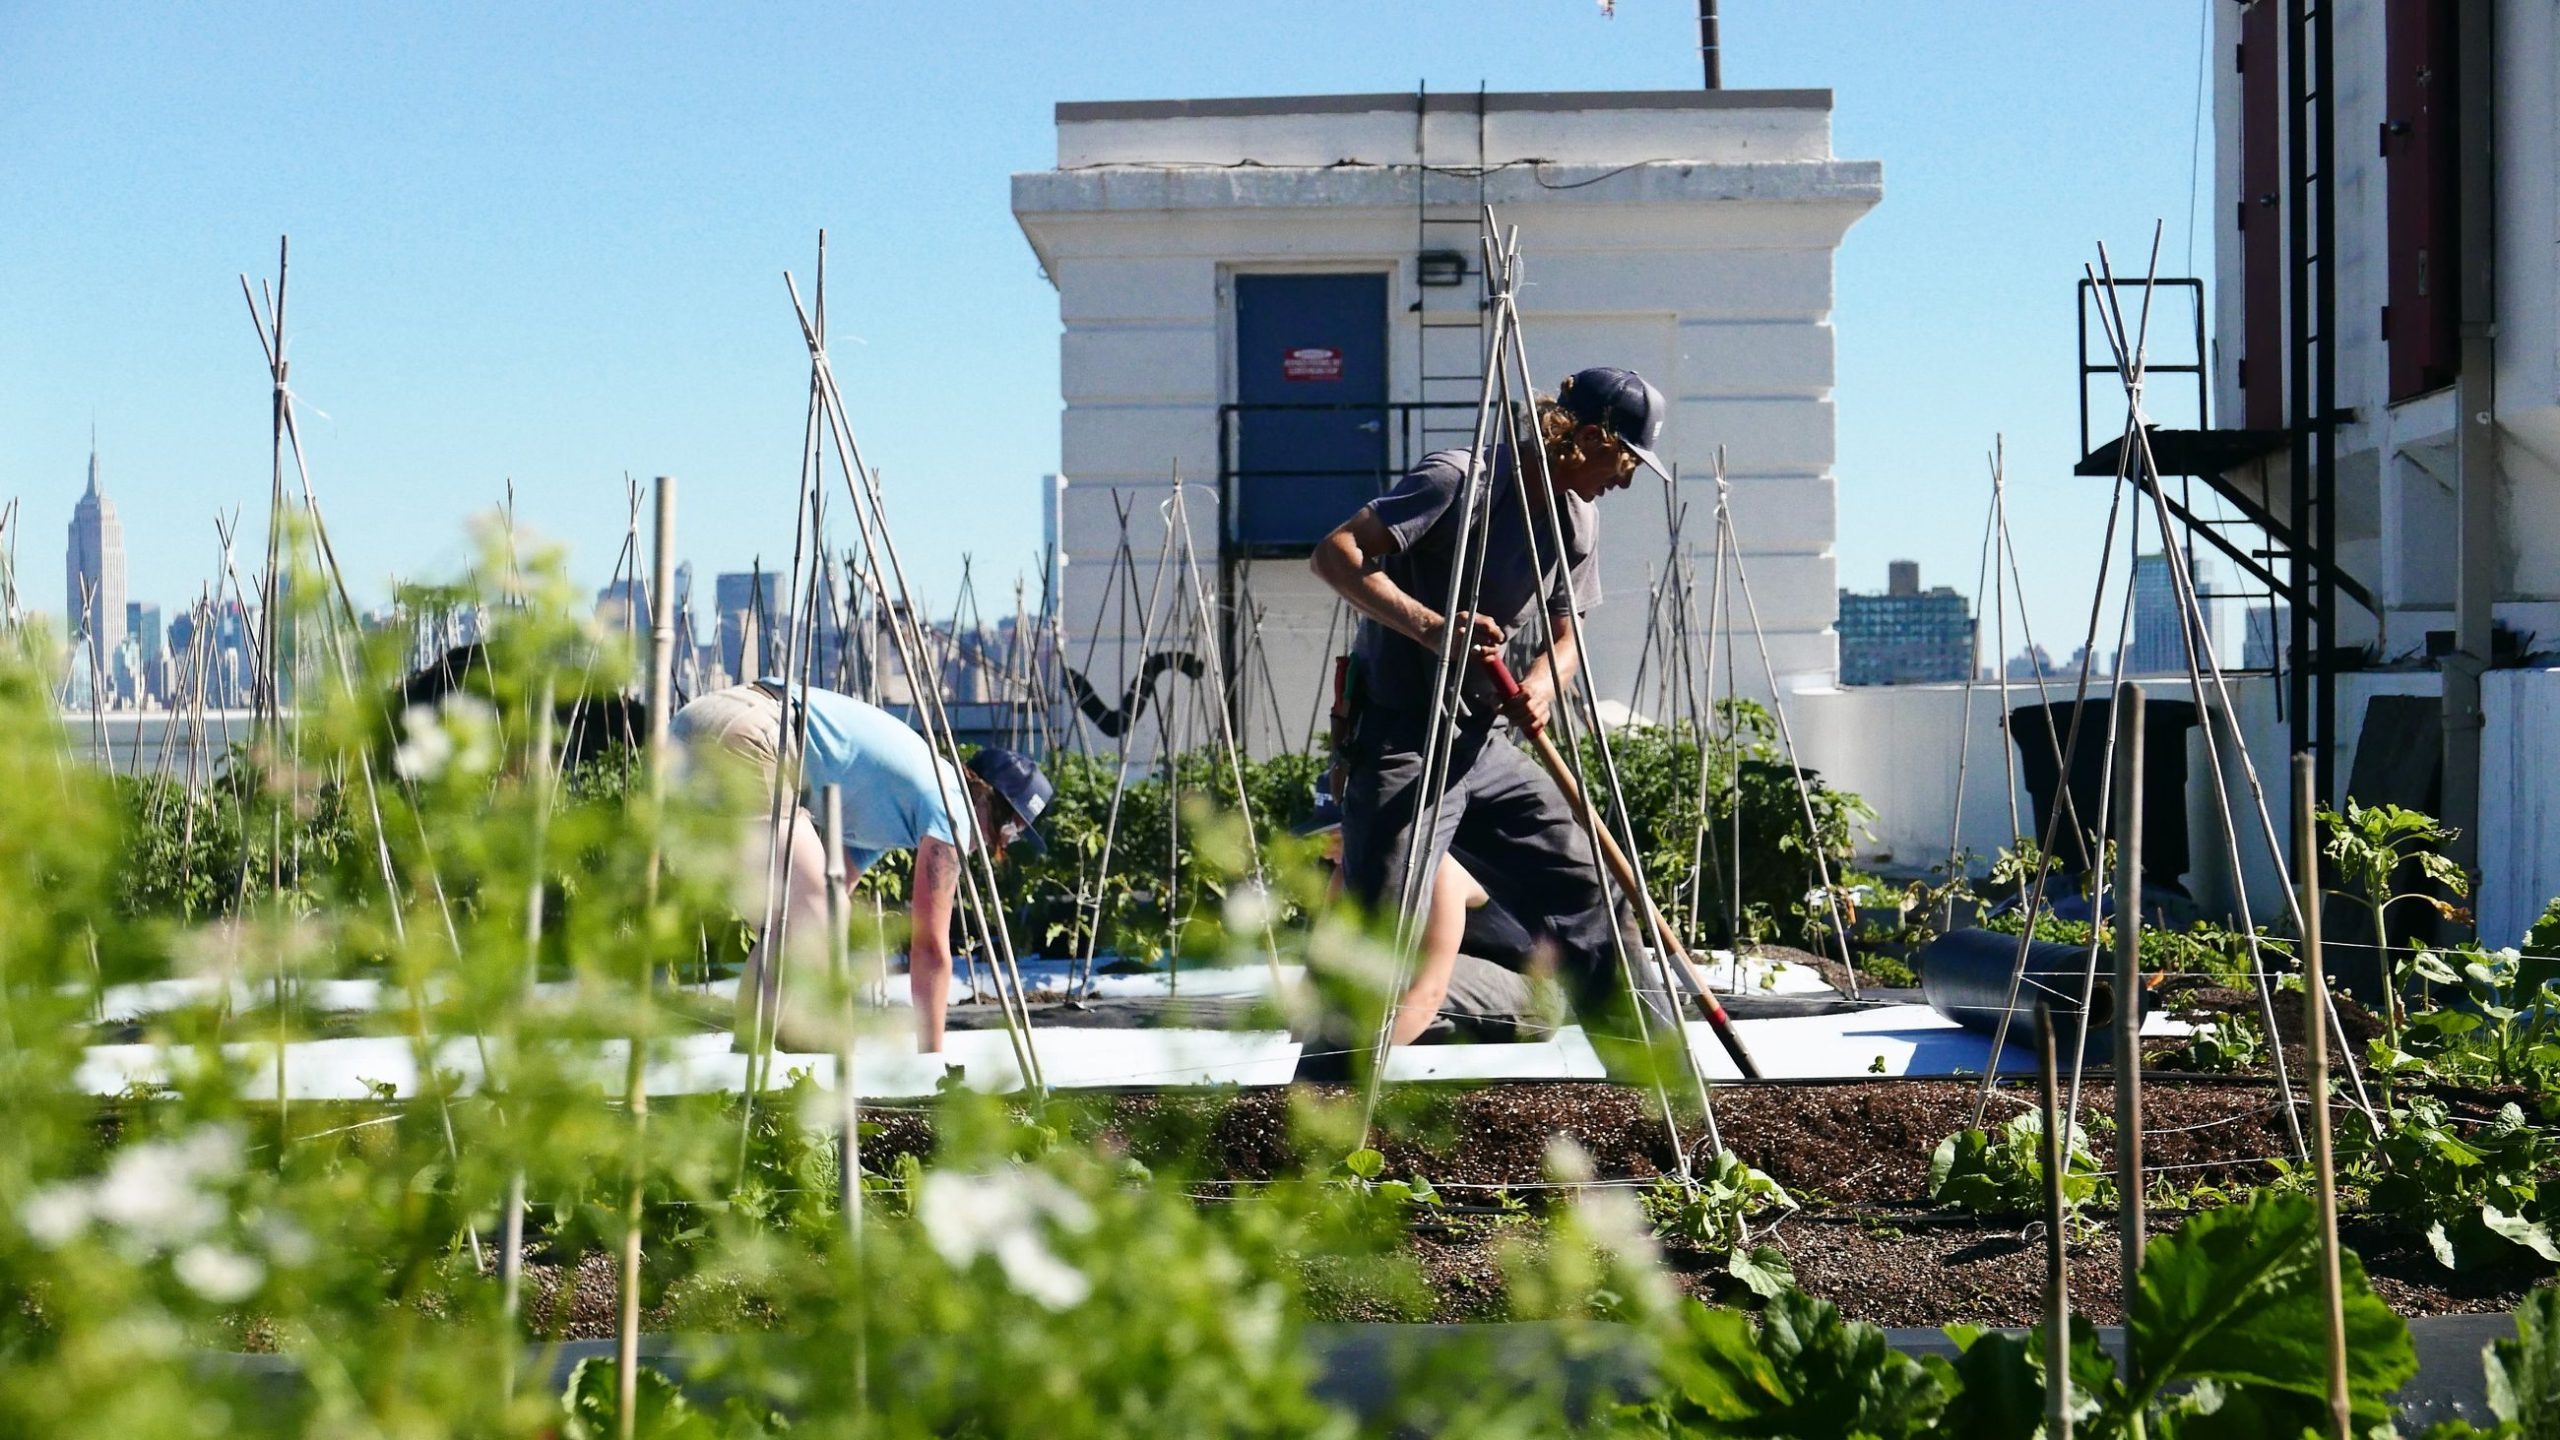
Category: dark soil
[1855,1156]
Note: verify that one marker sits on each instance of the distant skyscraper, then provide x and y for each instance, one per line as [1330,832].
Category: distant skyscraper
[1906,635]
[739,595]
[2158,645]
[2267,632]
[93,587]
[2030,663]
[142,627]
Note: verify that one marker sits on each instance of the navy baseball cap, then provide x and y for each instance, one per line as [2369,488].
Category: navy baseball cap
[1622,403]
[1011,774]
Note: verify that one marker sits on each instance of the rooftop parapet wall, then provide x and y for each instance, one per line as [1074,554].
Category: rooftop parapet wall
[1587,128]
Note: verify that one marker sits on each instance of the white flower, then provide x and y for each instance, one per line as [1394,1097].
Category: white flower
[423,754]
[154,1192]
[1615,1222]
[1004,1214]
[287,1243]
[1249,909]
[219,1274]
[472,727]
[56,1214]
[1567,1162]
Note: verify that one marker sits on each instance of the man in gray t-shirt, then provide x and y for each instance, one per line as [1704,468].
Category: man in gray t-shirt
[1392,561]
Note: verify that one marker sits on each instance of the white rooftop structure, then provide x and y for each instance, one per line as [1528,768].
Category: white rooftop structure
[1278,299]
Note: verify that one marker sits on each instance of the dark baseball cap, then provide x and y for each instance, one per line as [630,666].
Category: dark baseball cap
[1622,403]
[1011,774]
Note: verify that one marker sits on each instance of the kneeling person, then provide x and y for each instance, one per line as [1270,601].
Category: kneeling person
[896,794]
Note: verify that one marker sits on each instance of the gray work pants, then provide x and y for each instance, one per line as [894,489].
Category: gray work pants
[1522,842]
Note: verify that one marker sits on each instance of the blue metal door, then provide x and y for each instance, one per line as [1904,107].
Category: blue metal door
[1311,413]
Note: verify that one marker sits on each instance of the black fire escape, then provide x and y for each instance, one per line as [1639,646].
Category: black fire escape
[2298,561]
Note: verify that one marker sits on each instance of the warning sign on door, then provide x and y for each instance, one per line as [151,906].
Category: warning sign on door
[1311,362]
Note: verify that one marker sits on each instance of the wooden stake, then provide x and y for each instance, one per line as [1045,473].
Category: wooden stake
[2057,1274]
[2315,1031]
[2128,983]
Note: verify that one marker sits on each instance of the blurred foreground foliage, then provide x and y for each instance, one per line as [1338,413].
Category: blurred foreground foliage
[1034,1271]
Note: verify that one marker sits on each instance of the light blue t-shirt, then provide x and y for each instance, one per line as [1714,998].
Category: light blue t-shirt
[884,773]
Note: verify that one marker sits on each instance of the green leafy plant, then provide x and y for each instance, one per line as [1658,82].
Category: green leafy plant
[1681,846]
[2504,1031]
[591,1410]
[2371,846]
[2203,948]
[1365,1170]
[1713,1213]
[1802,1370]
[2220,1046]
[2001,1172]
[2227,1334]
[2475,1194]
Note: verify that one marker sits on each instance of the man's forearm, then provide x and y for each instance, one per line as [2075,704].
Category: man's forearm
[935,889]
[1370,592]
[1562,660]
[929,987]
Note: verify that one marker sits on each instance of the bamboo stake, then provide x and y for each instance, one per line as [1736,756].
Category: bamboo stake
[511,1223]
[635,1083]
[2315,1034]
[2128,981]
[977,872]
[2057,1271]
[1206,620]
[848,1095]
[1511,397]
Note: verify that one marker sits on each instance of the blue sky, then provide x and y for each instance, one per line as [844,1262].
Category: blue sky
[545,243]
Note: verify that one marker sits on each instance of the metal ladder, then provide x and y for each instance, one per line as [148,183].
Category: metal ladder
[2312,377]
[1449,285]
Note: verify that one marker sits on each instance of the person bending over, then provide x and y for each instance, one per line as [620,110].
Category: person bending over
[896,794]
[1392,561]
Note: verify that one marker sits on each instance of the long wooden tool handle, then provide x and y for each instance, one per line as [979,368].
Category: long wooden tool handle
[1506,689]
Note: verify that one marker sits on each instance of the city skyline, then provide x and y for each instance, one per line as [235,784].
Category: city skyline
[533,297]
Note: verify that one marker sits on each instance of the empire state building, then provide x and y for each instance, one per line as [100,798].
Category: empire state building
[94,579]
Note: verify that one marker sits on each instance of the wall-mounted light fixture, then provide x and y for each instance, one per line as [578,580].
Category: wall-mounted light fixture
[1440,267]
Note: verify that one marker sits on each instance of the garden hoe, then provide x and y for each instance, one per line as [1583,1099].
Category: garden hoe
[1506,689]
